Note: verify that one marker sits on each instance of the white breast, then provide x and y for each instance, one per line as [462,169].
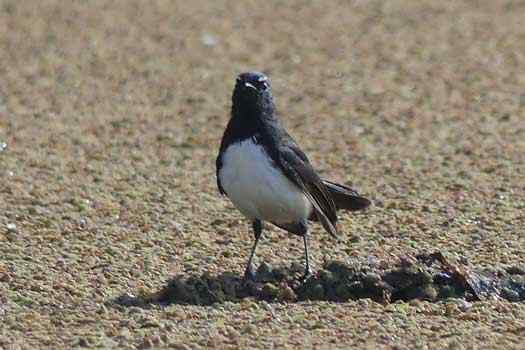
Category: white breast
[257,188]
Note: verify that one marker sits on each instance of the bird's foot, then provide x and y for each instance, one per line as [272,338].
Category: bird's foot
[307,275]
[249,275]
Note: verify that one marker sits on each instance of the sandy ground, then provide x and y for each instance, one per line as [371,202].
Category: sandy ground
[112,111]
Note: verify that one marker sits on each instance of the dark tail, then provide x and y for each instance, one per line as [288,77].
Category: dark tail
[346,198]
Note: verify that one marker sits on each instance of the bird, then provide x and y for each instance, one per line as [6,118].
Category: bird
[266,175]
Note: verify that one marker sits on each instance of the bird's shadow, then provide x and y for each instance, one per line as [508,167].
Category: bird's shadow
[426,277]
[279,284]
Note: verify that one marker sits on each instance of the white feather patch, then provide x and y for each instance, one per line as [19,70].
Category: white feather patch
[257,188]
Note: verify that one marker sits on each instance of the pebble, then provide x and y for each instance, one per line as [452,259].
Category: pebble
[209,39]
[451,309]
[146,344]
[250,329]
[464,305]
[11,228]
[84,342]
[455,345]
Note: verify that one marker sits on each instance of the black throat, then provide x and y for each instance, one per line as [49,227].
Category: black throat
[250,117]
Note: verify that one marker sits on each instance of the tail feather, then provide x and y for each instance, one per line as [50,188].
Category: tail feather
[317,213]
[346,198]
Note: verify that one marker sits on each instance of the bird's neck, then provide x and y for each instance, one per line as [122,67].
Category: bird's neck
[249,118]
[262,109]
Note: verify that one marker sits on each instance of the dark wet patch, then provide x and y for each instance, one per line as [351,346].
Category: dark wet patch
[427,277]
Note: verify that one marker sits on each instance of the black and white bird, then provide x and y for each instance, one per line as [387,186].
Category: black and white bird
[267,176]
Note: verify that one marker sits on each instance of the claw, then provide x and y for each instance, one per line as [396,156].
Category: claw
[307,274]
[307,270]
[248,273]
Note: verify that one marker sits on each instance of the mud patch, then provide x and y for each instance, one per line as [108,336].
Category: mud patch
[426,277]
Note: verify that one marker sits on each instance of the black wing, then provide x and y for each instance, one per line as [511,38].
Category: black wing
[298,169]
[226,138]
[218,166]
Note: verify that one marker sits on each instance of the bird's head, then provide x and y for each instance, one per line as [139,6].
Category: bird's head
[252,93]
[252,83]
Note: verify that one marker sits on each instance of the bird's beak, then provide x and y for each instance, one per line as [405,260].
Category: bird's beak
[249,85]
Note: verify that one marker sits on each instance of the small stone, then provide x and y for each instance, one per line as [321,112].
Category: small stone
[4,277]
[233,334]
[147,343]
[180,346]
[415,303]
[147,322]
[150,342]
[286,294]
[372,261]
[84,342]
[296,267]
[11,228]
[102,310]
[156,340]
[464,305]
[209,40]
[451,309]
[455,345]
[135,310]
[270,291]
[179,229]
[250,329]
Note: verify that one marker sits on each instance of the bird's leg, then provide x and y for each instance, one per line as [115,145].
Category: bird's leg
[307,270]
[257,231]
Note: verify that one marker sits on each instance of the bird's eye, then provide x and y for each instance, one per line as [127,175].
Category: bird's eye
[261,85]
